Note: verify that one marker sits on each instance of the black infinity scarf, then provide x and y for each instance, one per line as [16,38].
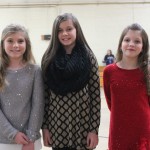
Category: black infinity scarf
[69,73]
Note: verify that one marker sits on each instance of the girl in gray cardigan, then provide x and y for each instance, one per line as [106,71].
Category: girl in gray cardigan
[21,92]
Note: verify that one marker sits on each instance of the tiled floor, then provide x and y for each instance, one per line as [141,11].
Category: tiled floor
[104,127]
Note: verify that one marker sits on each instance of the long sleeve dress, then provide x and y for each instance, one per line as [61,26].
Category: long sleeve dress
[128,102]
[71,117]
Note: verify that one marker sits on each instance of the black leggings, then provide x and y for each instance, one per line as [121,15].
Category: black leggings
[65,148]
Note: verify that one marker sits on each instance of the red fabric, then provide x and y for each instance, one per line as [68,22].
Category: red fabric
[144,144]
[127,100]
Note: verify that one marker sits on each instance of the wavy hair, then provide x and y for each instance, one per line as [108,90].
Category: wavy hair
[143,56]
[4,59]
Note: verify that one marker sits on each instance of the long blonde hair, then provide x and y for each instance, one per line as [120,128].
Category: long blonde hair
[4,60]
[143,56]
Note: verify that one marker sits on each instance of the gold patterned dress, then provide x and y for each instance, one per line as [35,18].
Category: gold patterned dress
[71,117]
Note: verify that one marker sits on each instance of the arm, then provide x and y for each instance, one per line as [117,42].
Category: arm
[149,81]
[95,104]
[106,80]
[29,146]
[104,60]
[46,137]
[10,132]
[94,92]
[46,134]
[46,108]
[92,140]
[5,126]
[36,115]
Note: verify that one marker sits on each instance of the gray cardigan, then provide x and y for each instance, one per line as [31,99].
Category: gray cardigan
[21,104]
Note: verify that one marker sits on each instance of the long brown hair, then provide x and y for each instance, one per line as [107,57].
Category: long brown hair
[54,44]
[4,60]
[143,56]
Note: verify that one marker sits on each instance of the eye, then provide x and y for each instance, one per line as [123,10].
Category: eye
[69,29]
[21,41]
[137,41]
[127,40]
[9,40]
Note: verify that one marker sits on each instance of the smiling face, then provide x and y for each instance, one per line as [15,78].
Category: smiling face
[15,45]
[132,44]
[67,35]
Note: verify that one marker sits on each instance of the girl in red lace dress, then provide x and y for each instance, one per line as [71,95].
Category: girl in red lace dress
[127,92]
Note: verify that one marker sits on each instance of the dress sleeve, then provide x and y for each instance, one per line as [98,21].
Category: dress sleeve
[36,115]
[46,108]
[149,100]
[106,81]
[6,128]
[94,93]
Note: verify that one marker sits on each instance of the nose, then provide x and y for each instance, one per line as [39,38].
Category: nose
[64,33]
[15,44]
[131,43]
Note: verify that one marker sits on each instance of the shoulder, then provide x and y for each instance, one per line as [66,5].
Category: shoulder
[109,71]
[92,57]
[106,56]
[110,67]
[34,67]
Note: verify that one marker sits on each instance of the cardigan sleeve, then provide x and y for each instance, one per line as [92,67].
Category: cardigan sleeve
[94,93]
[106,81]
[36,115]
[6,128]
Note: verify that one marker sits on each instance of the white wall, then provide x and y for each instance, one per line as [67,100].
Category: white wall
[102,23]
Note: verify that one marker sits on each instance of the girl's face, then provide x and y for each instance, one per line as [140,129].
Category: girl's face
[132,44]
[15,45]
[67,34]
[108,52]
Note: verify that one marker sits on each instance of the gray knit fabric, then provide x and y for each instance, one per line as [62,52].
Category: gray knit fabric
[21,104]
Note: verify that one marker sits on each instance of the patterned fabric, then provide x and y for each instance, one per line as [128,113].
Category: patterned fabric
[66,148]
[70,118]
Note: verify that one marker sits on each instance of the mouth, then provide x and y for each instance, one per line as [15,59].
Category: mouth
[15,51]
[131,49]
[66,38]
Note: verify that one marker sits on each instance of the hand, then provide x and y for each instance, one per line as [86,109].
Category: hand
[21,138]
[92,140]
[46,137]
[29,146]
